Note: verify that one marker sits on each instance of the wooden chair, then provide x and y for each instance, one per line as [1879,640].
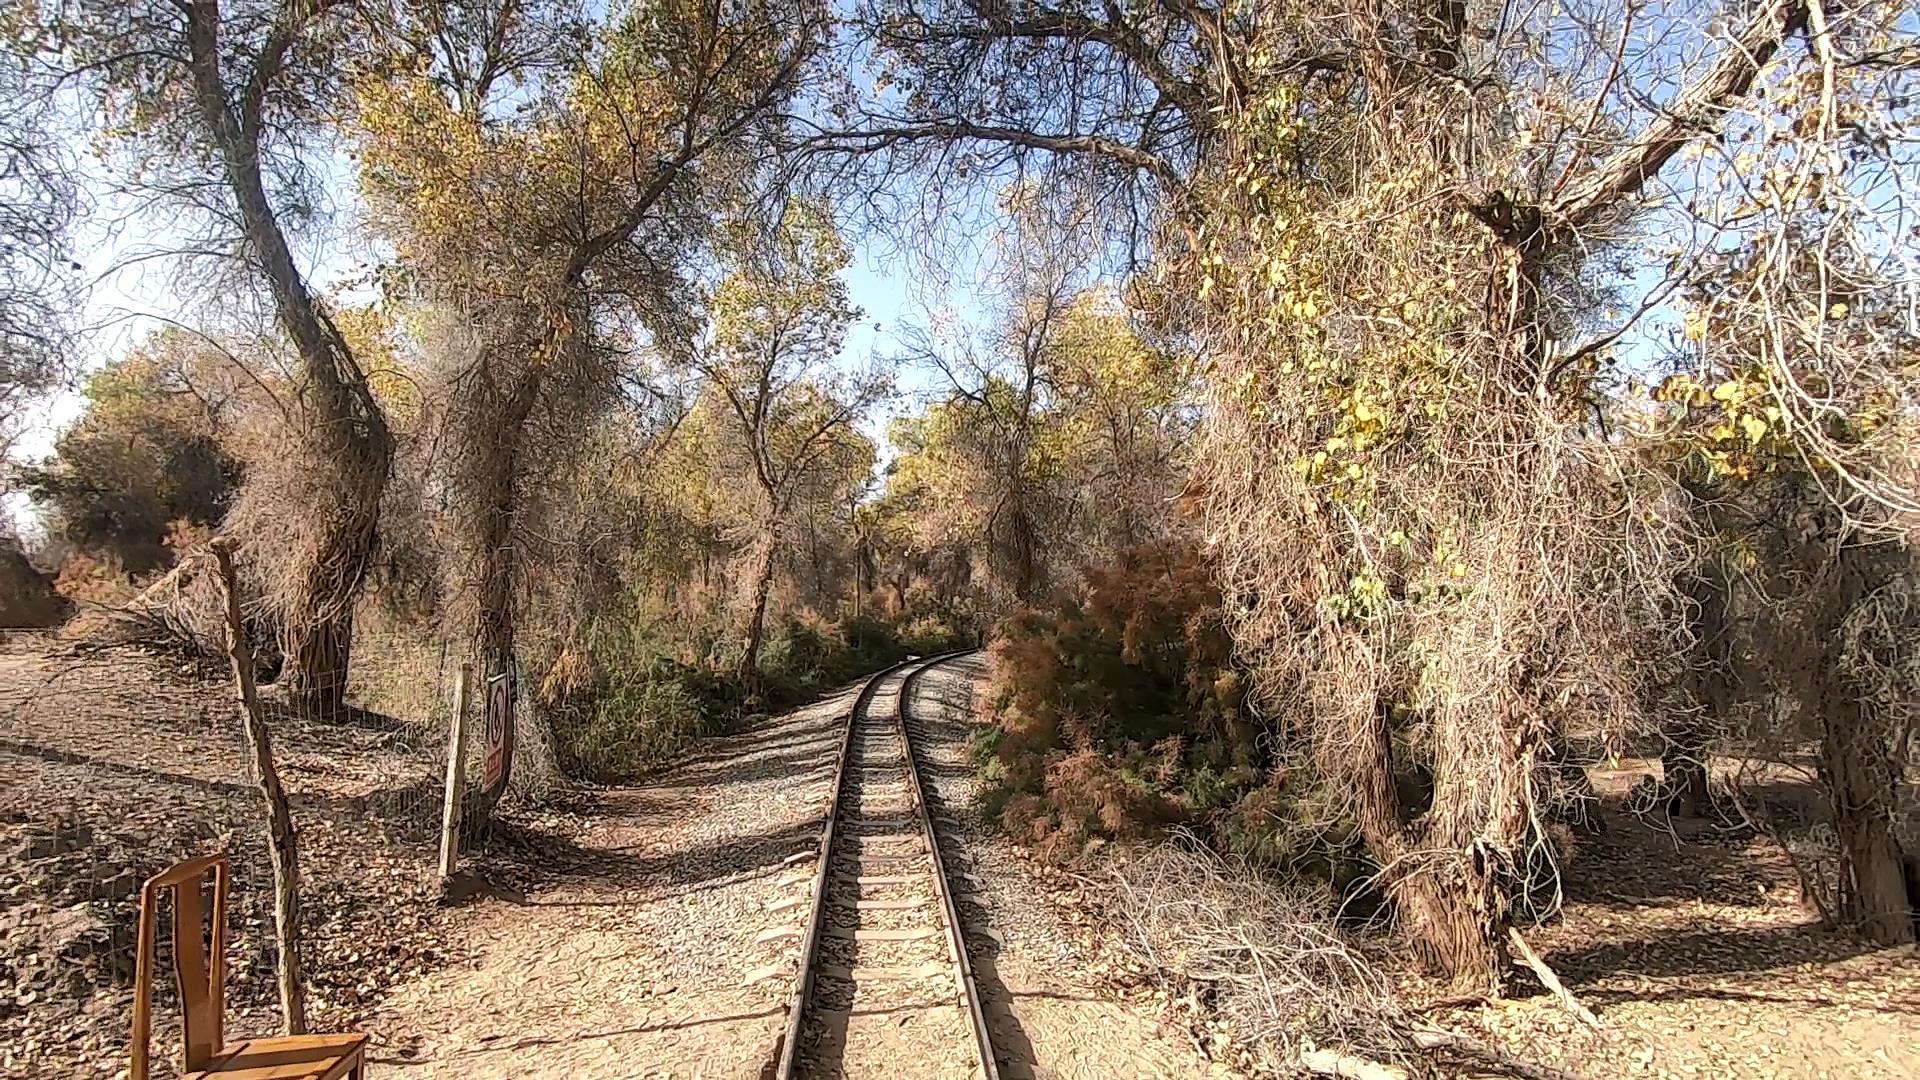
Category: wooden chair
[200,971]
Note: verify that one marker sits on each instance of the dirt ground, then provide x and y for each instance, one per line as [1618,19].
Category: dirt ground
[652,931]
[658,945]
[1689,940]
[114,765]
[667,948]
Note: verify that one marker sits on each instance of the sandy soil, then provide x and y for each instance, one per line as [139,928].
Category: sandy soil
[113,766]
[667,946]
[1690,942]
[660,947]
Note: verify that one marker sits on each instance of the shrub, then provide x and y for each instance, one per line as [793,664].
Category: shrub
[27,594]
[635,720]
[1119,713]
[629,707]
[930,635]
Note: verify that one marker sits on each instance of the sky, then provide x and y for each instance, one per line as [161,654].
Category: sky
[892,289]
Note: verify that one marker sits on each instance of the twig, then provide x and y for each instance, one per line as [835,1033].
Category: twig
[1550,980]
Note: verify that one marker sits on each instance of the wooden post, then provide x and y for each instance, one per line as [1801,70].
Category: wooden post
[456,775]
[282,847]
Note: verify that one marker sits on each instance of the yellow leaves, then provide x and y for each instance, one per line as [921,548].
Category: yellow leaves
[1837,311]
[1754,427]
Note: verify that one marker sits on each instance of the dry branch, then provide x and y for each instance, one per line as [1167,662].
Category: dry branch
[282,845]
[1549,980]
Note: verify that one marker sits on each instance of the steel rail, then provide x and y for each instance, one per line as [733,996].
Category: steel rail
[817,916]
[816,919]
[969,990]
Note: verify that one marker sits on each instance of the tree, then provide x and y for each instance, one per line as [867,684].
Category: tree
[1811,598]
[780,317]
[212,106]
[1394,234]
[153,448]
[553,222]
[38,204]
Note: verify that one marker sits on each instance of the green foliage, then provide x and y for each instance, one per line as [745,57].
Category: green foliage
[641,706]
[145,455]
[639,715]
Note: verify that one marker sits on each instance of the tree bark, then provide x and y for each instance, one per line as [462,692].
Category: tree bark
[1711,692]
[319,651]
[1874,889]
[1858,759]
[1447,902]
[494,472]
[757,617]
[282,841]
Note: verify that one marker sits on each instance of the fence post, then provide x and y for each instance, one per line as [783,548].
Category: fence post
[456,775]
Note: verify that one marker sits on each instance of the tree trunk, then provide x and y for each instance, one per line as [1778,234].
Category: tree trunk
[318,653]
[345,427]
[282,842]
[1860,758]
[494,473]
[757,617]
[1710,691]
[1447,899]
[1875,893]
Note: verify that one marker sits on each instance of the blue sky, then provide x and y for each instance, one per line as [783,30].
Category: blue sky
[891,287]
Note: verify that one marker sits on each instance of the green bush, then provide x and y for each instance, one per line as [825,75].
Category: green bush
[636,718]
[640,707]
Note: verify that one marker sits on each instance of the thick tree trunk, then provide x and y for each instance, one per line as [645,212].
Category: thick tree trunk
[1448,901]
[494,473]
[1859,758]
[318,654]
[1876,894]
[344,424]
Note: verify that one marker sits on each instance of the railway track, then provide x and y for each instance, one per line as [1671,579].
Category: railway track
[884,986]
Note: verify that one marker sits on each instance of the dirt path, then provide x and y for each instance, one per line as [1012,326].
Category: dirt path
[656,952]
[1690,942]
[115,764]
[667,946]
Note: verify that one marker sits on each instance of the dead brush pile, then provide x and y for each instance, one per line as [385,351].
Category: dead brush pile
[1264,957]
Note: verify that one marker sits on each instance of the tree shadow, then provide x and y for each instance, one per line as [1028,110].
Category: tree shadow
[1605,997]
[533,1041]
[527,858]
[751,768]
[1707,952]
[734,750]
[1697,861]
[397,807]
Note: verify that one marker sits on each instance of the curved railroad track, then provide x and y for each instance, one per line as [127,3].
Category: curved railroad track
[884,986]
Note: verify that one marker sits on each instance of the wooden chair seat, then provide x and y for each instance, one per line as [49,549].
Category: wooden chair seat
[200,974]
[289,1057]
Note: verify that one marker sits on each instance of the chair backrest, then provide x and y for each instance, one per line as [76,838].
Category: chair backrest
[199,964]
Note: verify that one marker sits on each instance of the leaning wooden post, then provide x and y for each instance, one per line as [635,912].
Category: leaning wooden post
[282,847]
[456,776]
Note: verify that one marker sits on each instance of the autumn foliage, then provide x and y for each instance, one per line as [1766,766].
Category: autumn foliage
[1119,713]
